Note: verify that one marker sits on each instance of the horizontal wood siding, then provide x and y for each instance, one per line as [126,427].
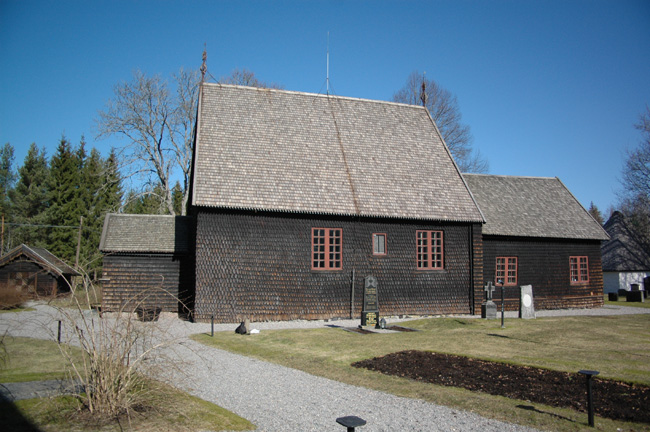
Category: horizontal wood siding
[142,280]
[544,264]
[259,266]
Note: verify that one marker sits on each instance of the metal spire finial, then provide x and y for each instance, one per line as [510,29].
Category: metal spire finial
[204,67]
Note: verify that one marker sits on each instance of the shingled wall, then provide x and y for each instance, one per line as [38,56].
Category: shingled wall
[257,265]
[544,264]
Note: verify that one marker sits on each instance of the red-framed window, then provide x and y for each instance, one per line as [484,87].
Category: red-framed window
[430,250]
[506,270]
[326,247]
[379,245]
[579,269]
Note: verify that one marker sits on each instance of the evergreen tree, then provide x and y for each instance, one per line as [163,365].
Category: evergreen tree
[101,193]
[148,202]
[7,180]
[595,213]
[65,205]
[29,199]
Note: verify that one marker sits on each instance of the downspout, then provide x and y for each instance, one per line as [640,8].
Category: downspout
[472,293]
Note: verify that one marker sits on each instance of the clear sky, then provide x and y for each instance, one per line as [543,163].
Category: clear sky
[549,88]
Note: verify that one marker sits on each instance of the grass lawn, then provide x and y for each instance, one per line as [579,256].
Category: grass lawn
[618,347]
[25,359]
[622,301]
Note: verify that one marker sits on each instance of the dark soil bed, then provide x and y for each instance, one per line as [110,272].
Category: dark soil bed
[612,399]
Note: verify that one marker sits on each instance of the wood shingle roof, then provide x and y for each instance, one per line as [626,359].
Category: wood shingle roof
[531,207]
[41,256]
[262,149]
[146,233]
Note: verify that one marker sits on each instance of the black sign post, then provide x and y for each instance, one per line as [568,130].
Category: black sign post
[370,312]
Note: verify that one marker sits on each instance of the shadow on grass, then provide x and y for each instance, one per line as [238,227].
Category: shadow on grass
[498,335]
[12,419]
[538,411]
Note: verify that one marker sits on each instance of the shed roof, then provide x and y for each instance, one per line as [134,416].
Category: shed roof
[623,252]
[532,207]
[146,233]
[41,256]
[263,149]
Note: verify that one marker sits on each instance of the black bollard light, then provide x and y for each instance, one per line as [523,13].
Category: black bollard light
[503,290]
[58,337]
[351,422]
[212,326]
[590,403]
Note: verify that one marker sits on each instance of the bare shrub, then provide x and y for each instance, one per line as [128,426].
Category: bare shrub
[11,298]
[120,352]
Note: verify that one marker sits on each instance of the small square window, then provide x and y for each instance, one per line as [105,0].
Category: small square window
[379,244]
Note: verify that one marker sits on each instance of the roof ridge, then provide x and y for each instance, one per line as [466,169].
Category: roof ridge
[310,94]
[510,176]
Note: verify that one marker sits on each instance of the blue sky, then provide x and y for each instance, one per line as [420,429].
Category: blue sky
[549,88]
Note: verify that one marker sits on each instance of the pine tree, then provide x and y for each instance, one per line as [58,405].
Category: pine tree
[148,202]
[29,199]
[101,193]
[595,213]
[7,177]
[66,207]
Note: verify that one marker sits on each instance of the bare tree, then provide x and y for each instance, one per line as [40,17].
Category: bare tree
[158,125]
[636,171]
[444,109]
[244,77]
[635,200]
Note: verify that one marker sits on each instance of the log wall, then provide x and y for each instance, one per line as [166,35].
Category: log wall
[544,264]
[259,266]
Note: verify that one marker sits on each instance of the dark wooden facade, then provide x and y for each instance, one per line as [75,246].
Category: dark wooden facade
[27,277]
[257,265]
[34,271]
[544,264]
[146,280]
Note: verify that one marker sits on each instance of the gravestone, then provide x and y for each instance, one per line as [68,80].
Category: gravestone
[370,312]
[488,307]
[526,303]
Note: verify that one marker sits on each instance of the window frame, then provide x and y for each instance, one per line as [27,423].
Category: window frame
[430,261]
[576,267]
[506,276]
[327,252]
[374,244]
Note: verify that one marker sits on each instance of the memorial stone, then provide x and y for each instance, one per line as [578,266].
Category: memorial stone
[526,304]
[370,312]
[488,307]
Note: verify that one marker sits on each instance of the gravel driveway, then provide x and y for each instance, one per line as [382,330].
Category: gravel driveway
[276,398]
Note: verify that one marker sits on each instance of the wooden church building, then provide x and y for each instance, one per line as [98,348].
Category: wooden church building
[296,197]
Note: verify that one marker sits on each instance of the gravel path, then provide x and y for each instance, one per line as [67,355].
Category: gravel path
[276,398]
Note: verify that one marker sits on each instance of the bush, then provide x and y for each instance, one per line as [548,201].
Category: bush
[118,353]
[11,299]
